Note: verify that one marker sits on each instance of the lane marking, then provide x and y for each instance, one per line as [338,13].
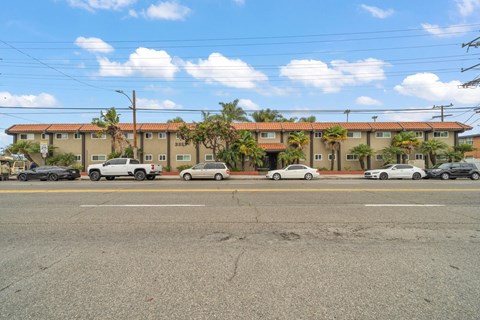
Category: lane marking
[404,205]
[141,205]
[239,190]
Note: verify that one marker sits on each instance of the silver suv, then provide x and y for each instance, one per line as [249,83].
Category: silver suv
[209,170]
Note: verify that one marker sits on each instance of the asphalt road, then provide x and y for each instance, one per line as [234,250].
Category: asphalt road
[240,249]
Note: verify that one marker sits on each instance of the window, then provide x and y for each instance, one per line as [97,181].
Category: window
[209,157]
[27,136]
[352,157]
[419,134]
[184,157]
[330,157]
[78,157]
[383,134]
[162,157]
[61,136]
[318,134]
[440,134]
[267,135]
[318,157]
[177,136]
[148,157]
[378,157]
[162,135]
[441,157]
[77,136]
[466,140]
[44,136]
[99,157]
[119,161]
[354,134]
[418,156]
[148,135]
[129,135]
[95,136]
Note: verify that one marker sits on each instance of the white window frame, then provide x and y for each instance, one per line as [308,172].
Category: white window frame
[102,137]
[330,157]
[441,134]
[267,135]
[419,156]
[209,157]
[379,157]
[183,156]
[28,136]
[318,157]
[99,157]
[44,136]
[61,136]
[353,157]
[318,135]
[78,157]
[162,157]
[162,135]
[465,140]
[355,134]
[418,134]
[77,136]
[148,135]
[129,135]
[384,134]
[148,157]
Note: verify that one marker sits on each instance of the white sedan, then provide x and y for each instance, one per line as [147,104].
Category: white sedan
[294,171]
[396,171]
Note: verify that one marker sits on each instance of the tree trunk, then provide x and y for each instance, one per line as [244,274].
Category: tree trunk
[332,161]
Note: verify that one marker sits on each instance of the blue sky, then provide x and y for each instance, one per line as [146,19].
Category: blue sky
[304,57]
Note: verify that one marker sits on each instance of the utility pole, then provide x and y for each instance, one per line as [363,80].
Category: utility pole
[374,118]
[133,101]
[347,112]
[442,115]
[475,82]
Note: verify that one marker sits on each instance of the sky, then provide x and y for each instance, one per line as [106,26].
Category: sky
[61,61]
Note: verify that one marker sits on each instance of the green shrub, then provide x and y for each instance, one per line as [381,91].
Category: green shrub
[186,166]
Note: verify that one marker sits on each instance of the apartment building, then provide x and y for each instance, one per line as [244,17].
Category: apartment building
[473,140]
[160,144]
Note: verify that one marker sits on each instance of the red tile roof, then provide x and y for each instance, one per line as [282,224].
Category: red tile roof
[251,126]
[154,126]
[19,128]
[272,146]
[296,126]
[269,126]
[64,127]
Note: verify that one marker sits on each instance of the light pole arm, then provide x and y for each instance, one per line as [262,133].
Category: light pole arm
[134,109]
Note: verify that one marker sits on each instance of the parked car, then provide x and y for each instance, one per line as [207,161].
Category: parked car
[120,167]
[50,173]
[453,170]
[294,171]
[209,170]
[396,171]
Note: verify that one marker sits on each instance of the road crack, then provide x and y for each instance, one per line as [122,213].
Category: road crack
[235,268]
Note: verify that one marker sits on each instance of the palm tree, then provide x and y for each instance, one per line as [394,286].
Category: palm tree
[232,113]
[308,119]
[432,148]
[332,138]
[464,147]
[298,139]
[389,154]
[407,141]
[291,155]
[176,120]
[267,115]
[362,151]
[108,122]
[453,155]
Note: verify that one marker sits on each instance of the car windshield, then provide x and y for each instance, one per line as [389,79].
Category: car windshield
[199,166]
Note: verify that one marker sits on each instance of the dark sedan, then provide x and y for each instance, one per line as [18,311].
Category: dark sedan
[50,173]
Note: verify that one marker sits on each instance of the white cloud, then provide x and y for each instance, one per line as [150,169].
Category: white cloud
[230,72]
[168,10]
[157,104]
[5,139]
[31,101]
[331,79]
[92,5]
[144,62]
[451,31]
[428,86]
[377,12]
[93,44]
[239,2]
[247,104]
[467,7]
[367,101]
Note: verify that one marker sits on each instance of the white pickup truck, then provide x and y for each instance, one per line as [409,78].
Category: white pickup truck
[120,167]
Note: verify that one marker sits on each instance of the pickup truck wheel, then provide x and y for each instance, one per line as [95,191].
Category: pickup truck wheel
[140,175]
[151,177]
[110,178]
[94,175]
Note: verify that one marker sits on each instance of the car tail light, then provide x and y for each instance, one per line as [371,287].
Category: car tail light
[318,171]
[228,171]
[153,167]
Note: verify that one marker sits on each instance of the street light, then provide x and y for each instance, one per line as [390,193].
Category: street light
[133,107]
